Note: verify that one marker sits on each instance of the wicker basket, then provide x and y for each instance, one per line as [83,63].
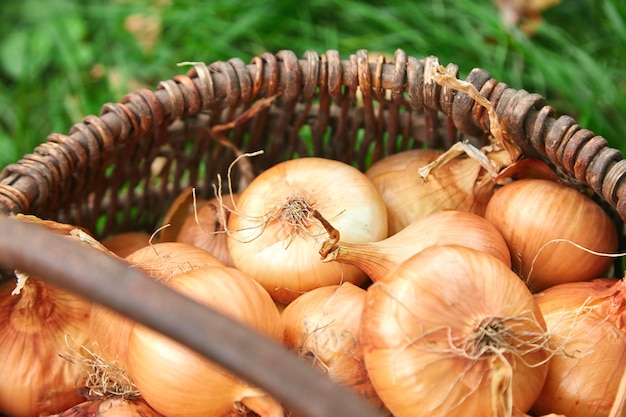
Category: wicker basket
[119,171]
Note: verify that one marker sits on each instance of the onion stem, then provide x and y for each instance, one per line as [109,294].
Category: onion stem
[331,244]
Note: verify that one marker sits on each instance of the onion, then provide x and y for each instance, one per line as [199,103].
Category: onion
[166,259]
[453,332]
[204,228]
[458,184]
[111,407]
[588,321]
[123,244]
[110,330]
[550,229]
[175,380]
[177,212]
[274,235]
[323,326]
[34,379]
[199,222]
[451,227]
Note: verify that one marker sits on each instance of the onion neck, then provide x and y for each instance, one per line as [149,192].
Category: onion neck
[33,308]
[372,258]
[375,259]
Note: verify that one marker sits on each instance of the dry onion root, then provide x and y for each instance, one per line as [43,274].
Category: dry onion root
[589,320]
[274,235]
[102,378]
[322,326]
[453,332]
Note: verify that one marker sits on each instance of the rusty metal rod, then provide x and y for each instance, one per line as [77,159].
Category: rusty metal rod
[251,356]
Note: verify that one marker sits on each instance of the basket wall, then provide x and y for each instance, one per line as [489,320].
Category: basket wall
[119,171]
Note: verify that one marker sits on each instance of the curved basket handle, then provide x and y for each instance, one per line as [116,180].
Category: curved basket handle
[250,355]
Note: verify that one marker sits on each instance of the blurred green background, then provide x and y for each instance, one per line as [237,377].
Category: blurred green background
[63,59]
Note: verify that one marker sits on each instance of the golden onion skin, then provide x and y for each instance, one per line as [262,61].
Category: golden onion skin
[428,336]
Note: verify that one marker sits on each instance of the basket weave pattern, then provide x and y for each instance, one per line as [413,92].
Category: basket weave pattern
[123,167]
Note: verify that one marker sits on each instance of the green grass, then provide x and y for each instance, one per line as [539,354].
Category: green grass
[63,59]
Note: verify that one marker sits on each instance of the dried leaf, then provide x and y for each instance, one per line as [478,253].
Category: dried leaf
[503,150]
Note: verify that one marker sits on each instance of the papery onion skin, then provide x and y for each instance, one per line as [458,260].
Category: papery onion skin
[34,379]
[415,321]
[532,212]
[452,186]
[284,258]
[176,381]
[323,326]
[588,319]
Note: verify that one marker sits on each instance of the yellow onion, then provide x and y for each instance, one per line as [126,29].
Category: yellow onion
[450,227]
[175,380]
[552,231]
[34,379]
[453,332]
[110,330]
[199,222]
[274,233]
[166,259]
[123,244]
[322,326]
[457,184]
[587,320]
[111,407]
[204,228]
[175,216]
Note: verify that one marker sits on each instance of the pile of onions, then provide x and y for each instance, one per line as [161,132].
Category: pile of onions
[555,233]
[273,230]
[587,320]
[36,326]
[447,328]
[450,227]
[322,326]
[453,332]
[459,184]
[176,381]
